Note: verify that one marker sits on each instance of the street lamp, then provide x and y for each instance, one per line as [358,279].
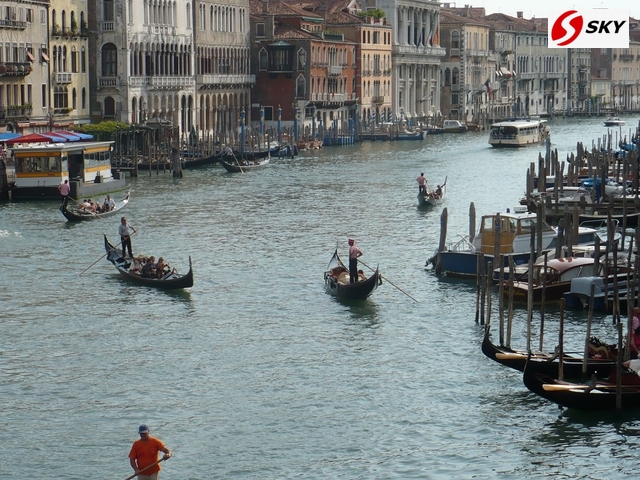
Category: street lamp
[313,121]
[295,122]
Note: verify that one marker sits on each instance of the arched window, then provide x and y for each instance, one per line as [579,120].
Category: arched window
[109,60]
[264,59]
[301,87]
[83,60]
[83,98]
[64,21]
[447,77]
[109,107]
[302,59]
[74,99]
[188,15]
[455,39]
[455,79]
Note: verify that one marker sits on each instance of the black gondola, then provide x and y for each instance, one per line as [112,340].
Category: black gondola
[592,396]
[76,214]
[545,363]
[170,281]
[337,281]
[234,164]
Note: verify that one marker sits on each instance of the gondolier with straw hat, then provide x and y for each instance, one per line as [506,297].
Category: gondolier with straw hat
[354,253]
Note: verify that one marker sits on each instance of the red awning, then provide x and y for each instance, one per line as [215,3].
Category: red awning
[30,138]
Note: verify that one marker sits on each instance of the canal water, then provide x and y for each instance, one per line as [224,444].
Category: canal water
[257,373]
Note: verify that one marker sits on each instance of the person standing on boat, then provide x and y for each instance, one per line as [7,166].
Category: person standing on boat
[422,184]
[634,346]
[64,189]
[354,253]
[143,456]
[125,236]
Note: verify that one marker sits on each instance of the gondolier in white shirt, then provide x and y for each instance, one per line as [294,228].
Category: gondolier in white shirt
[125,236]
[354,253]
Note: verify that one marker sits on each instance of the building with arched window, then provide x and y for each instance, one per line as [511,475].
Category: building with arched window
[143,62]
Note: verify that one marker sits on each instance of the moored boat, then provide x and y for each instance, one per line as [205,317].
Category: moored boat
[547,362]
[518,133]
[171,281]
[598,395]
[337,281]
[39,169]
[514,229]
[76,214]
[454,126]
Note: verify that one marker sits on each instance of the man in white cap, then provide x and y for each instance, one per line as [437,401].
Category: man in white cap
[354,253]
[143,456]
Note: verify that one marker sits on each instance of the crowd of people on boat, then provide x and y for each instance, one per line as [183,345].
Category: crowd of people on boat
[148,267]
[89,206]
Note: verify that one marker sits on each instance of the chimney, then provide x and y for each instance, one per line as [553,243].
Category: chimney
[265,7]
[519,14]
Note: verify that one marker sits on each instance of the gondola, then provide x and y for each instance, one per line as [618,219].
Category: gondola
[76,215]
[430,197]
[598,395]
[337,281]
[234,164]
[546,363]
[170,281]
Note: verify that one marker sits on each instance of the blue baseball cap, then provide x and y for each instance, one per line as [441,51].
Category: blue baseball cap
[143,429]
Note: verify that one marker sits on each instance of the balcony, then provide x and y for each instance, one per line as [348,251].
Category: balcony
[335,70]
[626,56]
[13,24]
[211,81]
[106,82]
[280,68]
[62,77]
[16,111]
[378,100]
[107,26]
[15,69]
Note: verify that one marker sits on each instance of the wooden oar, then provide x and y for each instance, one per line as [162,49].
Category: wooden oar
[389,281]
[554,387]
[145,468]
[239,166]
[106,253]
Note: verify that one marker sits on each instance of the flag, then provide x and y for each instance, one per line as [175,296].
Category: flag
[486,84]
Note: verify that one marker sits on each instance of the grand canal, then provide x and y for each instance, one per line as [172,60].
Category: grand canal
[257,373]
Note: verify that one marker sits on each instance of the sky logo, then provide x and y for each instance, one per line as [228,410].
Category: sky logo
[598,28]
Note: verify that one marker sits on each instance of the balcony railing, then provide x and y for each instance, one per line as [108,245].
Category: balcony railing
[626,56]
[335,70]
[107,26]
[17,24]
[378,100]
[331,97]
[213,79]
[63,77]
[16,111]
[104,82]
[16,69]
[160,82]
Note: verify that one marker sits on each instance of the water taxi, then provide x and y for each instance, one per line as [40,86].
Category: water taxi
[39,169]
[454,126]
[613,122]
[518,133]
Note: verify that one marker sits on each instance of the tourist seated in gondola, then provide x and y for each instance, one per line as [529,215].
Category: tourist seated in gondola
[109,204]
[438,193]
[149,268]
[161,268]
[137,263]
[86,206]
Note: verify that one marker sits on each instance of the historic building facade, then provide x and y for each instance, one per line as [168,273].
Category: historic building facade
[143,62]
[416,55]
[24,66]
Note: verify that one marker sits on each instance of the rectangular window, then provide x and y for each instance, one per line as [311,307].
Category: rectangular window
[29,15]
[44,95]
[260,30]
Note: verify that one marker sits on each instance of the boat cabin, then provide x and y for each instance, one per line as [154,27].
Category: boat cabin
[514,231]
[39,169]
[517,133]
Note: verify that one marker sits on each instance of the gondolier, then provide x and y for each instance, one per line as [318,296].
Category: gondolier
[422,183]
[64,189]
[354,253]
[125,236]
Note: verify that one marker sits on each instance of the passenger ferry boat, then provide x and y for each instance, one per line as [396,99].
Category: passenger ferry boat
[518,133]
[40,169]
